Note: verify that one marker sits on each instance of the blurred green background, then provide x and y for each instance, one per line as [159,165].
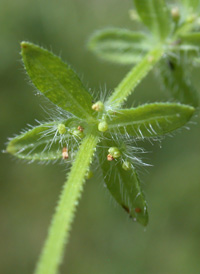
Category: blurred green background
[104,239]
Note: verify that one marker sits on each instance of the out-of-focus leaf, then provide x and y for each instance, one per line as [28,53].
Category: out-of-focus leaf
[151,119]
[193,5]
[119,45]
[42,142]
[190,41]
[176,81]
[56,80]
[124,185]
[155,15]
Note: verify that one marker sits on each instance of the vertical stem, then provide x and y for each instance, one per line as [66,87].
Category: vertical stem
[61,223]
[134,77]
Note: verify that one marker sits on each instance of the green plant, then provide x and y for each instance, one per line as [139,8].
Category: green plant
[83,128]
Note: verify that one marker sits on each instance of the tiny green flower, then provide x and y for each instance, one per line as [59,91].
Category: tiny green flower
[103,126]
[98,106]
[61,129]
[114,152]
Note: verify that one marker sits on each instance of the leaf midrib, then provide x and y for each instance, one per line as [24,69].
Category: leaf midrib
[121,124]
[64,89]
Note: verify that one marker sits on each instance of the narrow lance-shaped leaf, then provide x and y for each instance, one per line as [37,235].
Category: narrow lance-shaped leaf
[119,45]
[150,120]
[56,80]
[155,15]
[176,80]
[43,142]
[123,185]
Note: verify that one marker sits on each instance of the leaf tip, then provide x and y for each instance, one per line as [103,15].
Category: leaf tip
[10,149]
[24,46]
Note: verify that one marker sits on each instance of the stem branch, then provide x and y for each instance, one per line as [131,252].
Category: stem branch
[134,77]
[61,223]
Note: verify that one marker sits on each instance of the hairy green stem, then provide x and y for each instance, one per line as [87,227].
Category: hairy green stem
[60,227]
[133,78]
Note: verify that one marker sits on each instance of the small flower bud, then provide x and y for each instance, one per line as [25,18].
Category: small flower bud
[114,151]
[80,128]
[175,14]
[102,126]
[126,165]
[65,154]
[61,129]
[98,106]
[110,157]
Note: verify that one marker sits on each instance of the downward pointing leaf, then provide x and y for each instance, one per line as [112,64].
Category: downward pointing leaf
[42,143]
[177,81]
[150,120]
[124,185]
[56,80]
[120,46]
[155,15]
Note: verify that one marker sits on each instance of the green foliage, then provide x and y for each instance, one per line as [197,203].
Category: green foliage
[191,5]
[133,78]
[176,81]
[56,80]
[174,33]
[43,142]
[120,45]
[104,127]
[155,16]
[124,185]
[190,41]
[150,120]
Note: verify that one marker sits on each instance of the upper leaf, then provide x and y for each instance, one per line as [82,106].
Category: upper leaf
[124,185]
[155,15]
[43,142]
[193,5]
[56,80]
[119,45]
[150,120]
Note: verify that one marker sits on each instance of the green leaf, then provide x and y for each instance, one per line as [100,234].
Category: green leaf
[190,41]
[124,185]
[119,45]
[56,80]
[155,15]
[151,119]
[193,5]
[176,80]
[43,142]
